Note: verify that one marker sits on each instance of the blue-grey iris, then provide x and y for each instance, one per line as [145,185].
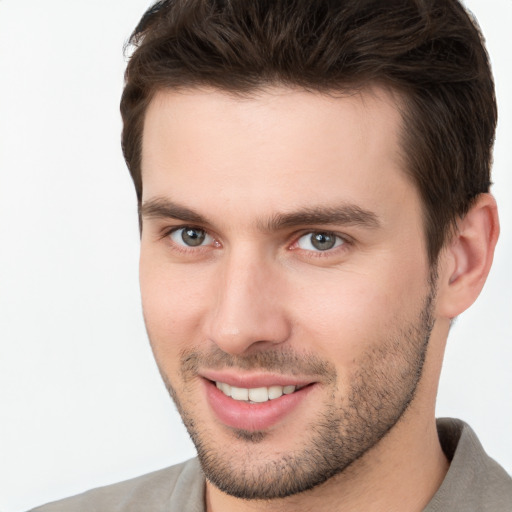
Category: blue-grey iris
[193,236]
[323,241]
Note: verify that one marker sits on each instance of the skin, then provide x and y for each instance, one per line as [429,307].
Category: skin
[355,321]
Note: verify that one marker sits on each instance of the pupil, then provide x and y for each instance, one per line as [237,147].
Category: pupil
[193,237]
[323,241]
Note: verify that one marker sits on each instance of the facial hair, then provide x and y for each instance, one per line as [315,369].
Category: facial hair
[379,392]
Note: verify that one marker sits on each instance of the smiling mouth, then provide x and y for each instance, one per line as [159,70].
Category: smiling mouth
[268,400]
[256,395]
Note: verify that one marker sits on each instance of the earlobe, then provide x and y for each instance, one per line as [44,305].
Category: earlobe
[467,257]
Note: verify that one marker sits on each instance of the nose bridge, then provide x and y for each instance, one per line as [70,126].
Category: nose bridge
[247,309]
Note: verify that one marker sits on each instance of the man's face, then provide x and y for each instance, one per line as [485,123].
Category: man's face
[283,262]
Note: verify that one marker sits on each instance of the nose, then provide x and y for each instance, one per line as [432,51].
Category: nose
[249,309]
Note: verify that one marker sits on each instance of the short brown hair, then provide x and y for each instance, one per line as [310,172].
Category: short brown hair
[430,51]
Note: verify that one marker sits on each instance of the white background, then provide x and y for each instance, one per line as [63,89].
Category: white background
[81,403]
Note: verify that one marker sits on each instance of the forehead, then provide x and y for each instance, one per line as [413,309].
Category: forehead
[274,150]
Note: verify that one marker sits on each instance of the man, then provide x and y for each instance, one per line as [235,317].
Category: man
[313,186]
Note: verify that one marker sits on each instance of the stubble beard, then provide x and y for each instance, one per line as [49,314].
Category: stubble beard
[379,393]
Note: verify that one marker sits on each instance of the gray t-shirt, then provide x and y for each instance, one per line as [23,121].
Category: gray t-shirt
[474,483]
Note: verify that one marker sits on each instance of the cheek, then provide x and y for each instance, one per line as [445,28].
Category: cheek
[173,301]
[349,312]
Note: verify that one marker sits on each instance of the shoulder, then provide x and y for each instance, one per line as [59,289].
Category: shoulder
[474,482]
[179,487]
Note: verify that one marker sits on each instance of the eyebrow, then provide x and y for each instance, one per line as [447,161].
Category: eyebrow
[344,214]
[160,208]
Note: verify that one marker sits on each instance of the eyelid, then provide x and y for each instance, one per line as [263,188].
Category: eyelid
[210,238]
[168,230]
[306,242]
[345,240]
[175,237]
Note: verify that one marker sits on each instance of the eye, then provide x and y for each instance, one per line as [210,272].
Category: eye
[190,237]
[319,241]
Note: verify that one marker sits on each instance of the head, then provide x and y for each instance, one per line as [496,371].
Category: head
[301,167]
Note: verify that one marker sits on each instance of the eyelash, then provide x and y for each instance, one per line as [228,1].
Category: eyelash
[341,244]
[184,248]
[342,241]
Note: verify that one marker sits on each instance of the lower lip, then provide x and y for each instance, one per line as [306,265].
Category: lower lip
[252,416]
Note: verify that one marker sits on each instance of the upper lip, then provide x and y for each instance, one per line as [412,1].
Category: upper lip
[253,380]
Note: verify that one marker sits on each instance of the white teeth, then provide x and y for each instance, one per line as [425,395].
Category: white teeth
[275,392]
[226,388]
[239,393]
[256,395]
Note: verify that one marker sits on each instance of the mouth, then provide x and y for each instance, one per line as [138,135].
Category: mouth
[256,404]
[256,395]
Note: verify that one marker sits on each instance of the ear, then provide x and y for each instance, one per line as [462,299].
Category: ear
[466,260]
